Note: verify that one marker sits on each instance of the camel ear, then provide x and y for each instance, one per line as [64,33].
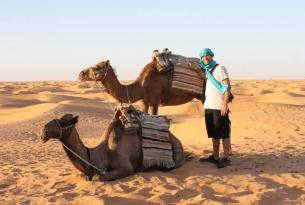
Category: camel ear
[74,120]
[107,62]
[66,117]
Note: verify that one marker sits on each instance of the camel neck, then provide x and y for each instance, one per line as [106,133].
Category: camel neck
[74,143]
[122,92]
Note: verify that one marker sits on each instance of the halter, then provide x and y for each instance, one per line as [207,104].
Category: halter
[102,171]
[102,70]
[94,75]
[98,72]
[62,129]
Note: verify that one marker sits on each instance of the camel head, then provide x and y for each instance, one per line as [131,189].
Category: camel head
[58,128]
[97,72]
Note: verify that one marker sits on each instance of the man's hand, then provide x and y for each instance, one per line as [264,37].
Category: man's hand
[224,110]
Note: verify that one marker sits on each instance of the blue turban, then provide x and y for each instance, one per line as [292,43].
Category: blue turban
[206,51]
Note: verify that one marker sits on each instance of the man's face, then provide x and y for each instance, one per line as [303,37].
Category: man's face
[207,59]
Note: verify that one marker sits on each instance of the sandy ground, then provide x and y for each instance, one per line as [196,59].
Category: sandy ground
[268,140]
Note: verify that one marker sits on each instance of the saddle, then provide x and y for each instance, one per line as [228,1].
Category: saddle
[157,148]
[167,61]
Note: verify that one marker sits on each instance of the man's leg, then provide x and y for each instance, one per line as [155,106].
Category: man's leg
[216,145]
[230,147]
[214,158]
[225,161]
[226,147]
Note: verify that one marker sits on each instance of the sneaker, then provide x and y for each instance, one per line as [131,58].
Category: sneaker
[210,159]
[224,162]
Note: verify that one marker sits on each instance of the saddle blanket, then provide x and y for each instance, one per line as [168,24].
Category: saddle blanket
[154,130]
[187,79]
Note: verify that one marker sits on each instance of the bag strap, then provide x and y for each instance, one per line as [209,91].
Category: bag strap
[212,70]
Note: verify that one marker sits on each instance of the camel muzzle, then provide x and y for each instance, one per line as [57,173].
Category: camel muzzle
[43,137]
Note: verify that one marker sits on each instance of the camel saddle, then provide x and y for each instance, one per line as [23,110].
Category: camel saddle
[184,73]
[154,131]
[166,60]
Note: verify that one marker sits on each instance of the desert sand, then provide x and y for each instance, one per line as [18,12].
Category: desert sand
[268,141]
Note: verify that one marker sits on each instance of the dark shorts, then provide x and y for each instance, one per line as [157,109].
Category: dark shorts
[218,127]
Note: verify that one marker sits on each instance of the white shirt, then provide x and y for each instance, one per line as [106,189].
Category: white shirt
[213,98]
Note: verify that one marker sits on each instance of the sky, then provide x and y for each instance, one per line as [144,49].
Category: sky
[56,39]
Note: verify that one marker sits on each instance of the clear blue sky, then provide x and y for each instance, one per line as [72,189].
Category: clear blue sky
[55,39]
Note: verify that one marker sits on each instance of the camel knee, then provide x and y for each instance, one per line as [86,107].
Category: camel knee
[88,178]
[124,170]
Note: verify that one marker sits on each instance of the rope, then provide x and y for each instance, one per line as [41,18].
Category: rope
[102,171]
[103,91]
[127,94]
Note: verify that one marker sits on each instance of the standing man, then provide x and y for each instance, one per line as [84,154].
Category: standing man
[217,95]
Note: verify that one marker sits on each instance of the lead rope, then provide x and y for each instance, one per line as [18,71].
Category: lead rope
[127,93]
[101,171]
[103,90]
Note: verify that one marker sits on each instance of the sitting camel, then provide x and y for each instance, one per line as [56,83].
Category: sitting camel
[151,87]
[118,154]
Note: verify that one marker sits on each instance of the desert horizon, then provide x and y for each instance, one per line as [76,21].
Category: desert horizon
[58,127]
[267,142]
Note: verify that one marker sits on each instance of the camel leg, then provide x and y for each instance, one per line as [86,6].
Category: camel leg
[125,170]
[144,106]
[155,109]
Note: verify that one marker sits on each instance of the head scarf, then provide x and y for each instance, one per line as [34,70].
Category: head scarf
[221,87]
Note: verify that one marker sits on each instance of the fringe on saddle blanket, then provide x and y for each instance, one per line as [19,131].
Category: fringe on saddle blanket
[154,129]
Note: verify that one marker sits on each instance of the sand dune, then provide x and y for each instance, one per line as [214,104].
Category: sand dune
[268,140]
[25,113]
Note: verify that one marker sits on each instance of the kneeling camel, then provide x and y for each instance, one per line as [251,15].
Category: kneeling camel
[117,155]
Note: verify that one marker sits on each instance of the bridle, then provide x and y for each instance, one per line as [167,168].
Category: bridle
[96,72]
[102,171]
[105,69]
[62,129]
[102,70]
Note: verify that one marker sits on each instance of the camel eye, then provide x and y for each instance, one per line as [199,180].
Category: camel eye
[94,69]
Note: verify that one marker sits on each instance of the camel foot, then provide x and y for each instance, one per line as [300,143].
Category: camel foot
[106,176]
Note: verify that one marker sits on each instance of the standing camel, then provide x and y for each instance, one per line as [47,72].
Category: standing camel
[117,155]
[151,87]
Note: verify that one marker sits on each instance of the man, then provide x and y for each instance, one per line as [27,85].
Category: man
[217,95]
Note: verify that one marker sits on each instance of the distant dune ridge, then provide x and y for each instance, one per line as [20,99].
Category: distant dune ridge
[268,140]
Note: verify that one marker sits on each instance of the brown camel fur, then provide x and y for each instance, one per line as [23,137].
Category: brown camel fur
[151,87]
[118,152]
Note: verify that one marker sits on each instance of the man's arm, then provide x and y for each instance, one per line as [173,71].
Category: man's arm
[224,108]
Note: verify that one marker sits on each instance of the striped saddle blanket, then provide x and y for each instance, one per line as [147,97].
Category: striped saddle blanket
[156,144]
[185,70]
[185,75]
